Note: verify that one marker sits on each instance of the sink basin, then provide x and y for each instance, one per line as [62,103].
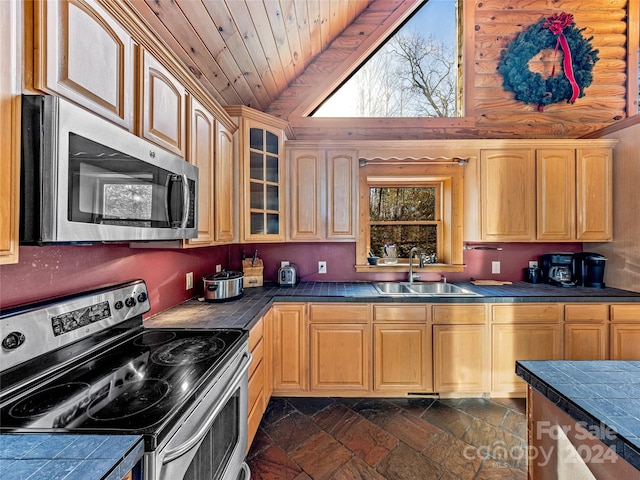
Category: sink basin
[392,288]
[434,289]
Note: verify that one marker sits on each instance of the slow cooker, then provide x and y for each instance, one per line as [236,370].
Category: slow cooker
[222,286]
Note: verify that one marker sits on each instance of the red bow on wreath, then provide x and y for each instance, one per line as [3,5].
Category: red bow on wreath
[556,23]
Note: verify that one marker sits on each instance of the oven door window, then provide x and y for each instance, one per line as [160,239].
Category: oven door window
[213,455]
[112,188]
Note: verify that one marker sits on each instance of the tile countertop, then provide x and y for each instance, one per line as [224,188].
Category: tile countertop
[41,456]
[600,393]
[244,311]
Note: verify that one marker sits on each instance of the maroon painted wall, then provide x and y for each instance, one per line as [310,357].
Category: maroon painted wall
[44,272]
[340,258]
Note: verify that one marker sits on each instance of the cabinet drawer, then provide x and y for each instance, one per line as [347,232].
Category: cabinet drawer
[530,313]
[256,334]
[625,313]
[256,384]
[586,312]
[255,416]
[339,313]
[400,313]
[257,354]
[460,314]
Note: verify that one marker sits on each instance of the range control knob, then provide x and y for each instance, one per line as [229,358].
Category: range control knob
[130,302]
[142,297]
[13,340]
[118,304]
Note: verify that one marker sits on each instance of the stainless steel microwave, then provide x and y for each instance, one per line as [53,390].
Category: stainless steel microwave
[84,179]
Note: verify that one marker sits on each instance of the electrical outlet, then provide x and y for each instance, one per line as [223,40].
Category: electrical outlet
[322,267]
[189,281]
[218,268]
[533,264]
[284,263]
[495,267]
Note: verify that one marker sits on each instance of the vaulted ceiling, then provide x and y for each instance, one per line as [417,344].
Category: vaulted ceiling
[249,52]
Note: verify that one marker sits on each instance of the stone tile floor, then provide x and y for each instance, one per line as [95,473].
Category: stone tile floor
[392,439]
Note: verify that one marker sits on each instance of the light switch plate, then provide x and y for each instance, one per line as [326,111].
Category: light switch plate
[495,267]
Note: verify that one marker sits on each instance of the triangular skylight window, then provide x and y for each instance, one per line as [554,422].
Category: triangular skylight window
[415,73]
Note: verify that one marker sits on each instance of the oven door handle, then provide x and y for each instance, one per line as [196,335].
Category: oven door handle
[229,390]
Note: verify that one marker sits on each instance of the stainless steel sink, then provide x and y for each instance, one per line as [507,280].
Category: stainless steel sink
[392,288]
[433,289]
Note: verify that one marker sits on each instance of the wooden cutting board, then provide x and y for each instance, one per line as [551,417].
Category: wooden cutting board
[490,282]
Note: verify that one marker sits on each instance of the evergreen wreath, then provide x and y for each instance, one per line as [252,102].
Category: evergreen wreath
[558,30]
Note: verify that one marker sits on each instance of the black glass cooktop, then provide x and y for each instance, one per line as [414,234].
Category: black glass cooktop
[134,387]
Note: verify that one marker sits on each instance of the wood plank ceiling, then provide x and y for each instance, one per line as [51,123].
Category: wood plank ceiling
[248,52]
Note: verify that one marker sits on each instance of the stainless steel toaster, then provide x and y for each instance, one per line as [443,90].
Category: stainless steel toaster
[287,275]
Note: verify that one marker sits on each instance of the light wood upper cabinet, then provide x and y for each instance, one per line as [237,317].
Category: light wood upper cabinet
[259,147]
[163,106]
[225,200]
[307,193]
[574,194]
[556,194]
[322,194]
[547,191]
[10,87]
[201,153]
[211,150]
[507,195]
[84,55]
[594,194]
[342,195]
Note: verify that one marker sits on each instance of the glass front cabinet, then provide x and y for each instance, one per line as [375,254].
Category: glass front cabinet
[261,163]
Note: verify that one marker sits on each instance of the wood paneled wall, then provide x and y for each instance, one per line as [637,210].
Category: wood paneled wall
[623,254]
[492,112]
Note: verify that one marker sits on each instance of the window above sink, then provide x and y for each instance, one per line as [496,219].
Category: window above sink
[411,202]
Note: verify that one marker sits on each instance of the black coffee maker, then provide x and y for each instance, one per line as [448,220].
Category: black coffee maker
[557,269]
[588,269]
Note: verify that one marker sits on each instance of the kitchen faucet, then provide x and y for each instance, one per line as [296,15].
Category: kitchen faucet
[413,251]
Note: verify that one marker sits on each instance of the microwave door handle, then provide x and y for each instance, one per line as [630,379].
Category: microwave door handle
[184,214]
[185,201]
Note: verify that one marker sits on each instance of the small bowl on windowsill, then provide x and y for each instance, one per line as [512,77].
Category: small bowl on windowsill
[373,260]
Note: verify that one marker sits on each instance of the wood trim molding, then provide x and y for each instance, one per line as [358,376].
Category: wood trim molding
[616,127]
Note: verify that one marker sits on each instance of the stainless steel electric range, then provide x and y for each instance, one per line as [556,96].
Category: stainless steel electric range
[85,364]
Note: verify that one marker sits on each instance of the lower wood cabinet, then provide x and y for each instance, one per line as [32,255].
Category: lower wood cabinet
[522,332]
[625,332]
[340,347]
[257,402]
[395,349]
[402,358]
[461,360]
[402,349]
[586,331]
[511,342]
[289,348]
